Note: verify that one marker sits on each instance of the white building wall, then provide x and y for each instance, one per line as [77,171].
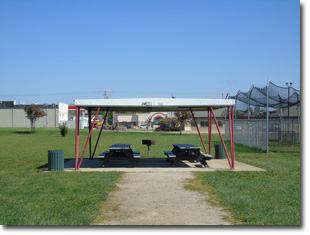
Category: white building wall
[62,112]
[126,117]
[143,118]
[83,123]
[138,118]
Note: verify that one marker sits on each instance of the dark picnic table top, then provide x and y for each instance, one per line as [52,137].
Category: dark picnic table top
[120,146]
[186,146]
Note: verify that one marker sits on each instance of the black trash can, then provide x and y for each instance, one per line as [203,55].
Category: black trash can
[56,160]
[219,151]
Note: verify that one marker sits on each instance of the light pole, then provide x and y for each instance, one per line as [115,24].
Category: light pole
[288,84]
[45,106]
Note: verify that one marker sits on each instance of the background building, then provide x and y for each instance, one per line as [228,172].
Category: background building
[203,123]
[138,119]
[12,115]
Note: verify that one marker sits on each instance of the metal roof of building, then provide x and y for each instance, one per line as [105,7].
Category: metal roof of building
[155,104]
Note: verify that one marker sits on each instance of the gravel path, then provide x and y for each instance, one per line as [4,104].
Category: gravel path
[159,198]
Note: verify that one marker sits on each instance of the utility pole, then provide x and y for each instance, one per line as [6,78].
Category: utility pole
[288,84]
[106,97]
[105,92]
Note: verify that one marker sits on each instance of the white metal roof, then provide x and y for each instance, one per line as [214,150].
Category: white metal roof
[155,104]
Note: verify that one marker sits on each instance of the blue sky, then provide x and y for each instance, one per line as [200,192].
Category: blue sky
[53,51]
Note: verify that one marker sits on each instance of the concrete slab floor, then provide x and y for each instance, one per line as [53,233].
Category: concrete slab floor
[158,165]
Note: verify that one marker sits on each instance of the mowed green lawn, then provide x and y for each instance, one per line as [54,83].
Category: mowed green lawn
[31,196]
[259,198]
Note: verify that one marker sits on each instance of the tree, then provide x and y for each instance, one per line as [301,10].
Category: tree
[63,129]
[33,112]
[169,121]
[183,118]
[110,118]
[173,121]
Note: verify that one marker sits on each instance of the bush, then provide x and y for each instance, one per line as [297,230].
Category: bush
[172,128]
[63,129]
[158,129]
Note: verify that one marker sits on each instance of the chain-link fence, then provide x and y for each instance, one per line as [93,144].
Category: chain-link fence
[253,133]
[284,130]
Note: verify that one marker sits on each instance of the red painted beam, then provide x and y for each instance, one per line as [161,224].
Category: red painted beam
[77,137]
[198,131]
[209,130]
[233,137]
[230,134]
[89,135]
[89,128]
[106,114]
[218,129]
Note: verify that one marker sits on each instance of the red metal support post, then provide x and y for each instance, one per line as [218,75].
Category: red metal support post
[106,114]
[89,135]
[209,130]
[89,127]
[204,146]
[77,137]
[230,114]
[218,129]
[233,136]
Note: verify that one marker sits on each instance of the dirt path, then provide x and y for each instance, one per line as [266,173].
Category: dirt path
[158,198]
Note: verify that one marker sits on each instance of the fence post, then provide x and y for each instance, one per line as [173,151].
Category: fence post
[267,109]
[298,115]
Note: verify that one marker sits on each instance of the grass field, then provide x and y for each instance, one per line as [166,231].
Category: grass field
[258,198]
[31,196]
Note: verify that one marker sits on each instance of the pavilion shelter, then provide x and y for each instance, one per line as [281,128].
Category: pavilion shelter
[155,105]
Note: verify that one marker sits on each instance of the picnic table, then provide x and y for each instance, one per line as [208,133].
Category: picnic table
[119,152]
[186,152]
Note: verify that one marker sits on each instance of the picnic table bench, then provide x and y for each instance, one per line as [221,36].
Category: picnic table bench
[119,152]
[186,152]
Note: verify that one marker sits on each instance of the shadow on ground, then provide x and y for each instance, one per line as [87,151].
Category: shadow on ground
[45,166]
[22,132]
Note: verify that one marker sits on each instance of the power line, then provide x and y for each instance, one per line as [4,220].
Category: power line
[168,94]
[51,94]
